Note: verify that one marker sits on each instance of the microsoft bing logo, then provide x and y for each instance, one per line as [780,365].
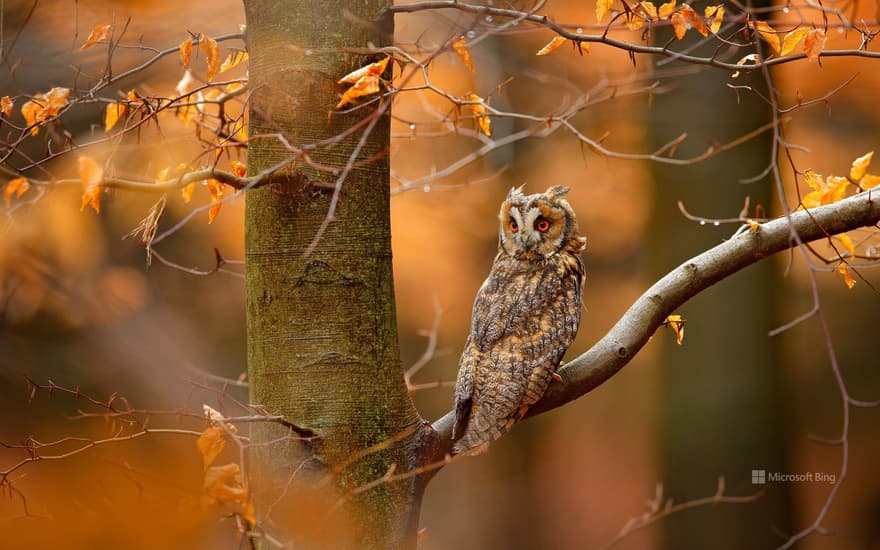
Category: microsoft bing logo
[759,477]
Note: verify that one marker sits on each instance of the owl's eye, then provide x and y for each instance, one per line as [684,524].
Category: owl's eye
[542,224]
[513,226]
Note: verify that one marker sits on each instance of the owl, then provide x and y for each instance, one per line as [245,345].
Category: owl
[525,316]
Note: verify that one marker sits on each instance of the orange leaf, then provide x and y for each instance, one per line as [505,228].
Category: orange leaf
[847,278]
[552,45]
[210,445]
[792,39]
[238,168]
[368,84]
[209,47]
[233,60]
[753,225]
[860,166]
[869,181]
[465,54]
[91,175]
[676,323]
[824,190]
[695,21]
[650,9]
[186,50]
[768,34]
[223,483]
[17,187]
[679,25]
[6,105]
[717,14]
[247,513]
[373,69]
[666,9]
[847,243]
[814,43]
[114,112]
[101,32]
[602,9]
[480,114]
[187,192]
[216,190]
[44,106]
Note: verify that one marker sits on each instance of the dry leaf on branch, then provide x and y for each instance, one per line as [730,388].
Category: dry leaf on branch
[847,278]
[602,9]
[364,81]
[17,187]
[43,107]
[91,175]
[814,43]
[481,115]
[676,323]
[464,53]
[186,50]
[6,105]
[100,32]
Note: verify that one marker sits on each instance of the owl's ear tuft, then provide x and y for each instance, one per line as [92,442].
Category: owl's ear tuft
[557,191]
[515,192]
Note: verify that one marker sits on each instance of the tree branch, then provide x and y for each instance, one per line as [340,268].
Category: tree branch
[638,324]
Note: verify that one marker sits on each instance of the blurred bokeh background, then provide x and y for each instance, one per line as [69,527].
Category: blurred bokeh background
[79,307]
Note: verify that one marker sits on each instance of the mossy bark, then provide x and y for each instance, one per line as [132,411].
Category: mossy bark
[321,329]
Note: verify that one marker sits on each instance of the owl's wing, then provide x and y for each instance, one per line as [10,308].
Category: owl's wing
[464,389]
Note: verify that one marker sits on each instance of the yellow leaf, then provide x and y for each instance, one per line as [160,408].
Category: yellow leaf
[238,168]
[824,190]
[17,187]
[216,190]
[717,14]
[233,60]
[43,107]
[186,50]
[869,181]
[210,445]
[368,84]
[679,25]
[132,95]
[162,175]
[650,9]
[373,69]
[666,9]
[101,32]
[792,39]
[814,43]
[223,483]
[480,114]
[465,54]
[676,323]
[91,175]
[187,192]
[552,45]
[860,166]
[602,9]
[847,278]
[6,105]
[114,112]
[695,21]
[768,34]
[847,243]
[209,47]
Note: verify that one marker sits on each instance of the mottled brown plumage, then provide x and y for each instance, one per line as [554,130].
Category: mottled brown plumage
[525,316]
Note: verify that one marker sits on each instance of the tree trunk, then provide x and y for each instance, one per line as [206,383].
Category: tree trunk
[321,328]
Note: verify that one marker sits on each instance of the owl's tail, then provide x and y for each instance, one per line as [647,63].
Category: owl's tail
[482,431]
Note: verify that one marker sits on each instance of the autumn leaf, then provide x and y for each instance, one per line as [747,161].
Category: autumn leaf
[824,190]
[676,323]
[187,192]
[847,278]
[238,168]
[792,39]
[768,34]
[186,50]
[552,45]
[695,21]
[209,47]
[365,81]
[717,15]
[869,181]
[44,107]
[860,166]
[233,60]
[847,243]
[216,190]
[6,106]
[650,9]
[101,32]
[465,54]
[223,483]
[602,9]
[210,445]
[91,175]
[114,112]
[814,43]
[480,114]
[666,9]
[373,69]
[17,187]
[679,25]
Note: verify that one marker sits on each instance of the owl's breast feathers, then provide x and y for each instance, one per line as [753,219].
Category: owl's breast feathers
[525,317]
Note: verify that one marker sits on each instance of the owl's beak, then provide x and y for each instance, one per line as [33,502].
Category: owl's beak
[527,241]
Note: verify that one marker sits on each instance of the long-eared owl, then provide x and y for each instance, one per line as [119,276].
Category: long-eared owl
[525,316]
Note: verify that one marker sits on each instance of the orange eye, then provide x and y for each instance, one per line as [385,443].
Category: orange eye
[542,225]
[513,227]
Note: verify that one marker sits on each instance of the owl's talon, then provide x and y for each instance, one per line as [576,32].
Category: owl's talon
[558,377]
